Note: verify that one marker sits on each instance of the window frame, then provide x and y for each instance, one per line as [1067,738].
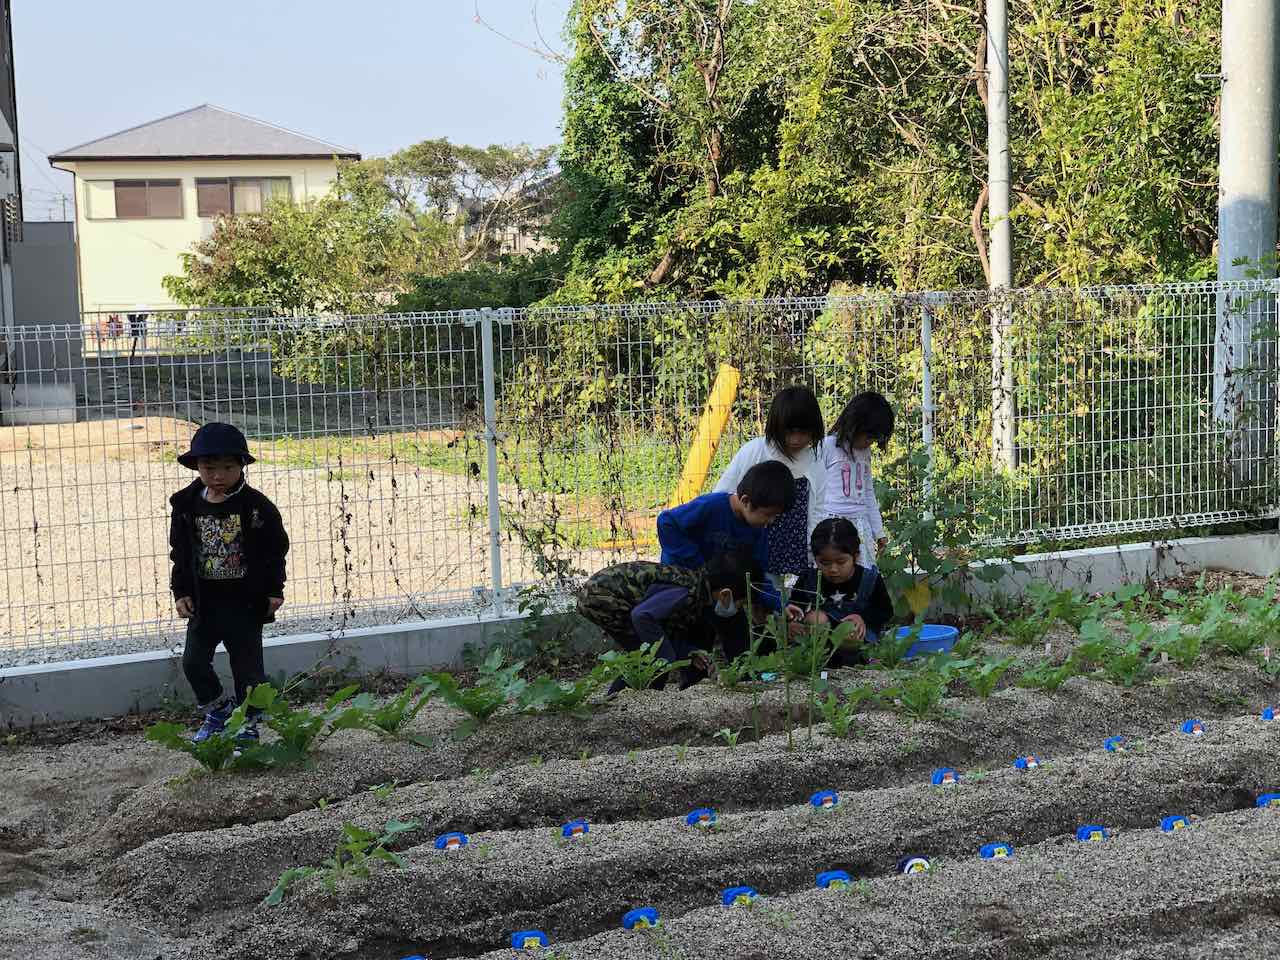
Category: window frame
[231,192]
[147,183]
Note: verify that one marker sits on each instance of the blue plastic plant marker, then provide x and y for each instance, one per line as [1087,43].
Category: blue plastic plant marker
[451,841]
[416,956]
[1092,833]
[702,817]
[768,677]
[945,777]
[996,851]
[1170,824]
[824,799]
[1029,762]
[910,865]
[1268,713]
[1193,728]
[1269,800]
[738,897]
[574,829]
[834,880]
[1114,745]
[641,918]
[528,939]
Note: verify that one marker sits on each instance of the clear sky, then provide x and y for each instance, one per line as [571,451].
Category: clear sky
[375,75]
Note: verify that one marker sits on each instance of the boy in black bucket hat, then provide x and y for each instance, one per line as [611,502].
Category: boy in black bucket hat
[228,546]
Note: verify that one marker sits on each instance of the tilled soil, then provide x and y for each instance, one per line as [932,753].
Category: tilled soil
[114,849]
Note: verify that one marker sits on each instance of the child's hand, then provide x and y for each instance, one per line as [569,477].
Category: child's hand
[274,604]
[794,613]
[859,627]
[186,607]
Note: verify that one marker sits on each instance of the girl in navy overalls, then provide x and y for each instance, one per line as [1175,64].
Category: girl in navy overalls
[839,591]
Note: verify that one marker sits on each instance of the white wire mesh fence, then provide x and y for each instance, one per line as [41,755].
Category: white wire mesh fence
[428,463]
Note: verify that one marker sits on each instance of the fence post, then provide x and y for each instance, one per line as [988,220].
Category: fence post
[926,395]
[491,438]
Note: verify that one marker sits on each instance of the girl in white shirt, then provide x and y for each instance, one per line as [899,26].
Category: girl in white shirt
[846,457]
[792,436]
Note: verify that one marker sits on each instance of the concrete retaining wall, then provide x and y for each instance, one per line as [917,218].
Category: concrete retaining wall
[111,686]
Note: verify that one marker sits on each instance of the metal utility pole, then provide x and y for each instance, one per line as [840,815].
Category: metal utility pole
[1247,193]
[1003,412]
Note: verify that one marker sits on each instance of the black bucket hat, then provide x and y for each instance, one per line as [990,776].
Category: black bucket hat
[216,440]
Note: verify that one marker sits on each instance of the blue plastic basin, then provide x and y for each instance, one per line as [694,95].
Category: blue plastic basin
[934,638]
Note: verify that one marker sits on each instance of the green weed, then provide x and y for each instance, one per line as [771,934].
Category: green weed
[357,850]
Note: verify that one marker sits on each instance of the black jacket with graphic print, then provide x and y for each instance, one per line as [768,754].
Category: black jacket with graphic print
[264,540]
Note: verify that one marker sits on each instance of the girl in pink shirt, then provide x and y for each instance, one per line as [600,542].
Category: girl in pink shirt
[846,454]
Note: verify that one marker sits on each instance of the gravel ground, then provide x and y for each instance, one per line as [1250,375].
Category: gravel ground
[1143,889]
[109,849]
[510,878]
[614,787]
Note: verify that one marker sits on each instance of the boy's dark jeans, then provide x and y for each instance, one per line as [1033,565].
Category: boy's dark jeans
[236,623]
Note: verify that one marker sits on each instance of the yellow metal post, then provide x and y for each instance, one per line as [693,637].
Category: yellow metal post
[715,416]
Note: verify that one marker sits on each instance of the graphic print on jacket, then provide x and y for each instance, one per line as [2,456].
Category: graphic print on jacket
[221,547]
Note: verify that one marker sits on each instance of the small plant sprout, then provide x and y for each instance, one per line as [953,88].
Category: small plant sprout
[641,918]
[529,940]
[1269,800]
[702,817]
[353,857]
[451,841]
[996,851]
[729,736]
[1174,823]
[1029,762]
[824,800]
[738,897]
[584,755]
[1193,728]
[575,829]
[1092,833]
[909,866]
[383,791]
[834,880]
[536,760]
[682,751]
[945,777]
[1115,745]
[632,757]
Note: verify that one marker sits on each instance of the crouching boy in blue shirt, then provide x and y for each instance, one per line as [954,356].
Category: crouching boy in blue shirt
[715,522]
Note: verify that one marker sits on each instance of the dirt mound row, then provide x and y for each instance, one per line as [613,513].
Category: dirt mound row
[986,732]
[1057,899]
[351,761]
[469,899]
[605,789]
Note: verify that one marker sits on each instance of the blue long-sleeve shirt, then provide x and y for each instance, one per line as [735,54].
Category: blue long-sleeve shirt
[694,532]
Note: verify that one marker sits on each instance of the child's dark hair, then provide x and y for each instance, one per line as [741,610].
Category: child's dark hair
[867,413]
[835,532]
[795,408]
[768,485]
[733,569]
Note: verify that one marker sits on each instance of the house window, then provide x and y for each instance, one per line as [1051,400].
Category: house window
[240,194]
[148,199]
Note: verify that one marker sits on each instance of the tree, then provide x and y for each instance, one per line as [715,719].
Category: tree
[481,191]
[345,253]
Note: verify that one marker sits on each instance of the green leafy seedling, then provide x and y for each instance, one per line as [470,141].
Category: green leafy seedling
[639,669]
[920,694]
[729,736]
[353,857]
[1048,676]
[984,677]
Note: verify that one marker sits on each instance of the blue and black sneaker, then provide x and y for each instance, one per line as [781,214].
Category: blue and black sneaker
[215,721]
[248,732]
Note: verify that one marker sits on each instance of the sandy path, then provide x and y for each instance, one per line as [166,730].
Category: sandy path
[84,526]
